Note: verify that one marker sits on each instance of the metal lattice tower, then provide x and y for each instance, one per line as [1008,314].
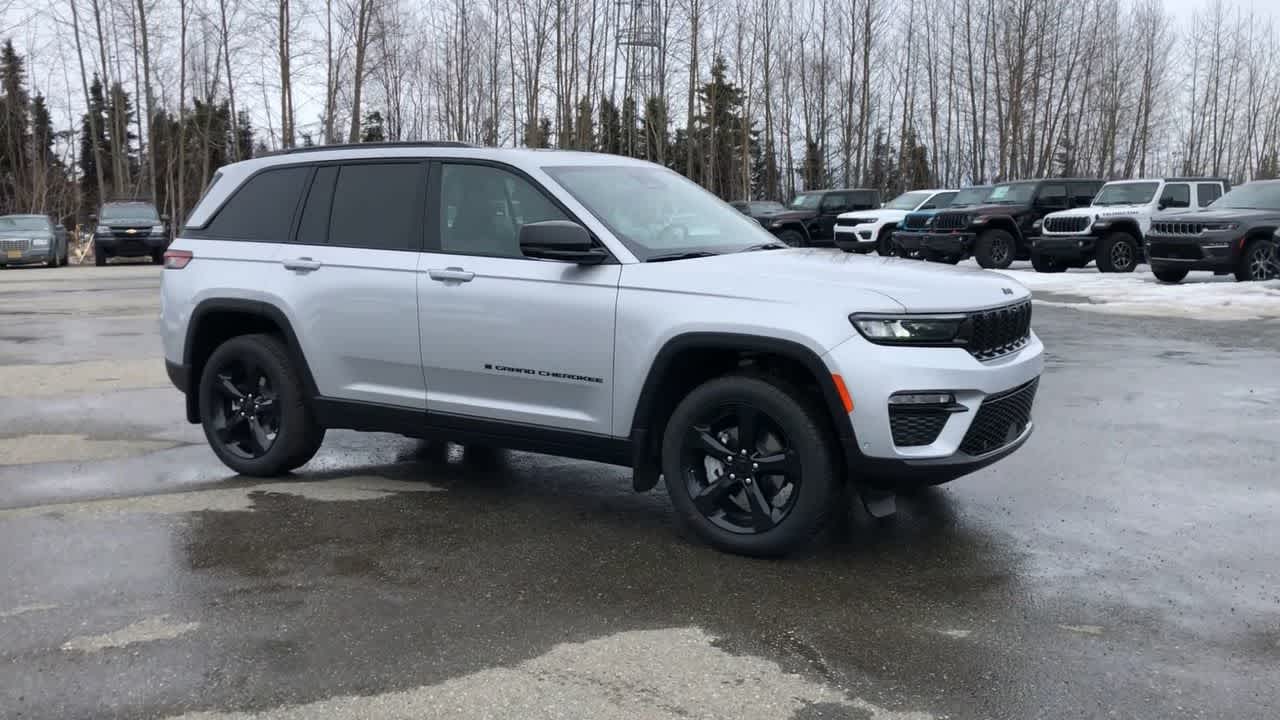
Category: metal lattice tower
[638,24]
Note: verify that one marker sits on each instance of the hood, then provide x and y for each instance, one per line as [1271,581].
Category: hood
[842,282]
[1088,212]
[794,215]
[20,233]
[879,214]
[995,209]
[1225,214]
[130,222]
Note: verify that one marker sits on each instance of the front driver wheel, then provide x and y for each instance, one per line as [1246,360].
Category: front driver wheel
[253,410]
[884,243]
[792,238]
[748,466]
[1260,261]
[1118,252]
[994,249]
[1043,263]
[1169,274]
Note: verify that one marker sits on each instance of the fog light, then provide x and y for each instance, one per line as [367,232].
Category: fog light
[923,398]
[1216,244]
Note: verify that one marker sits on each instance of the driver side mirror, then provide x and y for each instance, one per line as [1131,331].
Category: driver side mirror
[560,240]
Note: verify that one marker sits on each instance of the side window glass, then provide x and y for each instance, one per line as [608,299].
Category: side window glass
[313,229]
[1053,196]
[940,200]
[1207,193]
[482,209]
[378,206]
[1176,195]
[262,209]
[1082,195]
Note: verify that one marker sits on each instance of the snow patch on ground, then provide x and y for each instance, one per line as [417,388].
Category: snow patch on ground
[1201,296]
[148,630]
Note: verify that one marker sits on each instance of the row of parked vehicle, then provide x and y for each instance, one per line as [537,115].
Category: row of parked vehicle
[124,228]
[1175,224]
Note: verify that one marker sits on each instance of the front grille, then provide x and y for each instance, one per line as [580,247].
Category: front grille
[850,222]
[1000,331]
[952,221]
[6,245]
[122,233]
[1174,251]
[915,221]
[1177,228]
[1066,224]
[915,428]
[1000,420]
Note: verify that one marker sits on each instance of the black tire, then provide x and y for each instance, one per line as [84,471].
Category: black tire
[1168,274]
[934,256]
[1117,252]
[53,260]
[1047,263]
[884,242]
[901,252]
[157,257]
[995,249]
[731,514]
[1259,261]
[794,238]
[256,367]
[99,257]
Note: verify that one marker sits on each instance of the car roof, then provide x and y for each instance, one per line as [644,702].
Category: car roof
[24,215]
[230,177]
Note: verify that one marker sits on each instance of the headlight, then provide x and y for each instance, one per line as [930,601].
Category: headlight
[776,223]
[977,220]
[1037,224]
[911,329]
[40,241]
[930,221]
[157,229]
[1222,226]
[103,229]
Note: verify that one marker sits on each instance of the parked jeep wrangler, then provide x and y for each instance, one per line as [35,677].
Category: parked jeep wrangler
[999,231]
[560,302]
[1233,235]
[129,228]
[810,219]
[1112,229]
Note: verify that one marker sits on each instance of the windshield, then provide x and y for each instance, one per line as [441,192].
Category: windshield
[1253,196]
[656,211]
[1012,193]
[1126,193]
[971,196]
[140,212]
[806,201]
[907,201]
[767,208]
[23,222]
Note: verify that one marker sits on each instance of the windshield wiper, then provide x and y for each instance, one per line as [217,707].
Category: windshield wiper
[680,256]
[765,246]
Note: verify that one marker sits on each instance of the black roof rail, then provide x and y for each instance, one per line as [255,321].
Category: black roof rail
[1200,178]
[372,145]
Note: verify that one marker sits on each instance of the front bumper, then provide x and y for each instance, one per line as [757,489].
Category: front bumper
[910,241]
[136,246]
[1216,252]
[26,256]
[855,237]
[950,244]
[1071,247]
[963,442]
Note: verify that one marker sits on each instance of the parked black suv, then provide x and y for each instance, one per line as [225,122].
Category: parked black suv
[1235,234]
[129,228]
[998,231]
[810,219]
[761,210]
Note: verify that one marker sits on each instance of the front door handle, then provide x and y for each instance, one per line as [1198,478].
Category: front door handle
[302,264]
[451,274]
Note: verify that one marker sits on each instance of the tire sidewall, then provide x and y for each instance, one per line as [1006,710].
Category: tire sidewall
[1245,273]
[794,238]
[805,435]
[1103,258]
[986,243]
[1173,275]
[293,422]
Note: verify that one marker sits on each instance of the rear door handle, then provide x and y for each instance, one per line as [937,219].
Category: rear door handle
[302,264]
[451,274]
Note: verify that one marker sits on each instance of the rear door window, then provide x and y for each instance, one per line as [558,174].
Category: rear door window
[1176,195]
[262,209]
[313,228]
[1207,193]
[379,206]
[1082,194]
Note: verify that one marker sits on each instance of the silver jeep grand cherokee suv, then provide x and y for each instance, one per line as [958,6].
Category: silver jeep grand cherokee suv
[589,306]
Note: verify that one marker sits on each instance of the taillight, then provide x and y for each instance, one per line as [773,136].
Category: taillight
[177,259]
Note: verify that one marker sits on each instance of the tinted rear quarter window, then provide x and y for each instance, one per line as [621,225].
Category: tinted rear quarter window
[1207,193]
[378,206]
[261,210]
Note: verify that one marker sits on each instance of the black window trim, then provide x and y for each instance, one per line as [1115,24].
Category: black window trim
[434,206]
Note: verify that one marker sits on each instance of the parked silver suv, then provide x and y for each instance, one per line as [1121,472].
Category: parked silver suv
[590,306]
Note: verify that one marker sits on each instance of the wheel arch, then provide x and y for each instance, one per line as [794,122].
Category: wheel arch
[1002,222]
[1122,224]
[798,227]
[216,320]
[685,361]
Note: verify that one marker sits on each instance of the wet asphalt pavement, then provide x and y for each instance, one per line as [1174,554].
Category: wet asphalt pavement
[1124,564]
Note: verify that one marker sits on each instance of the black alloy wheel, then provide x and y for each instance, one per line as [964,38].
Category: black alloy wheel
[246,411]
[740,470]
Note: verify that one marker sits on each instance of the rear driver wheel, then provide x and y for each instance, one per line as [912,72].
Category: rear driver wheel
[748,466]
[792,237]
[252,408]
